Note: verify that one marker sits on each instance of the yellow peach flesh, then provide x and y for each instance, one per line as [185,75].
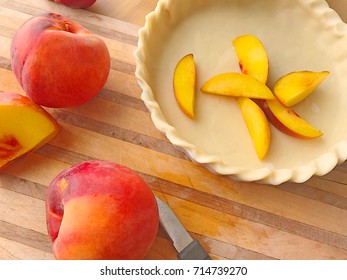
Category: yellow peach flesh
[296,86]
[23,129]
[252,57]
[184,84]
[257,124]
[237,85]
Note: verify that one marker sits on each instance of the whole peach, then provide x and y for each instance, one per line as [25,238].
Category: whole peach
[100,210]
[58,62]
[76,3]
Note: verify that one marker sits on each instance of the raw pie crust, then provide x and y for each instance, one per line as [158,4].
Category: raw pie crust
[298,35]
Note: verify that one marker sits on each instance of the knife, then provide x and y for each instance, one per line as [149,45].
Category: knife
[187,247]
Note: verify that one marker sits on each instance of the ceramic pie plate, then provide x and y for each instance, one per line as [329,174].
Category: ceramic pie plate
[297,35]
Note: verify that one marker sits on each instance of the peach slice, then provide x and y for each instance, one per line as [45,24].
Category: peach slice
[296,86]
[257,124]
[252,57]
[24,127]
[287,121]
[184,84]
[237,85]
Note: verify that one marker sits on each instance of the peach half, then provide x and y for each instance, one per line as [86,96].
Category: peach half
[253,59]
[257,124]
[237,85]
[24,127]
[100,210]
[58,62]
[296,86]
[287,121]
[184,84]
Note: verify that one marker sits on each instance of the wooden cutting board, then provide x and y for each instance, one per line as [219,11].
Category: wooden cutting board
[232,220]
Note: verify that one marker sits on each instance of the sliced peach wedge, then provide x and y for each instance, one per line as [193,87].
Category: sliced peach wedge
[237,85]
[290,89]
[254,62]
[287,121]
[184,84]
[253,59]
[296,86]
[24,127]
[257,124]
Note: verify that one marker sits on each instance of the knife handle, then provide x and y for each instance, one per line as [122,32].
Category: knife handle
[194,251]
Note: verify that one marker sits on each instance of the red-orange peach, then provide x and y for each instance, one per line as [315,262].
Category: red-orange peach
[101,210]
[58,62]
[76,4]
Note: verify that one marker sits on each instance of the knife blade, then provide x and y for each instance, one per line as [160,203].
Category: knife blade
[187,247]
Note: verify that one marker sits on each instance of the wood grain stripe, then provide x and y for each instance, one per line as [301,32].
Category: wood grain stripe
[25,236]
[117,132]
[116,65]
[233,220]
[27,209]
[23,186]
[164,147]
[247,234]
[223,205]
[307,191]
[111,34]
[248,213]
[122,99]
[6,32]
[339,175]
[97,29]
[11,250]
[18,170]
[187,173]
[124,67]
[222,250]
[123,83]
[328,186]
[5,63]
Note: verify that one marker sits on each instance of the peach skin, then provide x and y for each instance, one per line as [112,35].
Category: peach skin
[24,127]
[100,210]
[287,121]
[58,62]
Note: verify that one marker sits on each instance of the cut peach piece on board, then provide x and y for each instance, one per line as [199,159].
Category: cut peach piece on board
[24,127]
[237,85]
[184,84]
[296,86]
[257,124]
[253,59]
[287,121]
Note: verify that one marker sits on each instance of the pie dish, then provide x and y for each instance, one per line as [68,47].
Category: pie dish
[298,35]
